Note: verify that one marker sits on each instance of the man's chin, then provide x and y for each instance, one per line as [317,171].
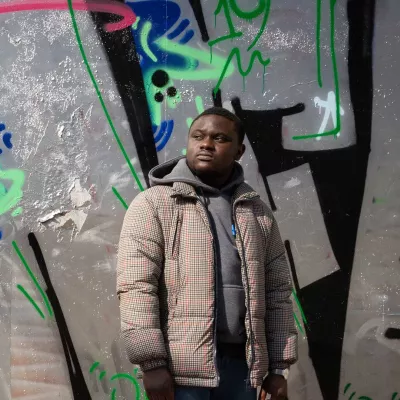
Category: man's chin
[204,167]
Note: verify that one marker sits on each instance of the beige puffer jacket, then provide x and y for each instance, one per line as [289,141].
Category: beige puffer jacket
[166,285]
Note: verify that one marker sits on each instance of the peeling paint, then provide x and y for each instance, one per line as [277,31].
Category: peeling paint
[80,197]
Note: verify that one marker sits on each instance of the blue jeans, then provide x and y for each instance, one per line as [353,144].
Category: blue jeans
[232,386]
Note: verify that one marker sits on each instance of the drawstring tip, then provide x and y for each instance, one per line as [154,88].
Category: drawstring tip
[233,231]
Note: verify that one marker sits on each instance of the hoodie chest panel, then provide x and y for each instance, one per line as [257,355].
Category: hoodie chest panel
[192,249]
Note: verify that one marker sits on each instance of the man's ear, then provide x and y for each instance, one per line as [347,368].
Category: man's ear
[241,150]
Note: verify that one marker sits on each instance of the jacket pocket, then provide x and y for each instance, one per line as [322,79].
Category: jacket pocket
[174,236]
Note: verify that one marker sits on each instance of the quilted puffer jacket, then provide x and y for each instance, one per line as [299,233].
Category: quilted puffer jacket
[166,285]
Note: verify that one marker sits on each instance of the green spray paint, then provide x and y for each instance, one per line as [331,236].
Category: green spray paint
[119,197]
[94,366]
[116,377]
[135,24]
[16,212]
[197,68]
[10,197]
[303,316]
[236,53]
[34,280]
[33,302]
[298,324]
[144,41]
[318,42]
[223,4]
[131,379]
[100,97]
[336,130]
[227,6]
[346,388]
[199,108]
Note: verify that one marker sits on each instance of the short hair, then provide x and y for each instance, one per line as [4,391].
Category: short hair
[223,112]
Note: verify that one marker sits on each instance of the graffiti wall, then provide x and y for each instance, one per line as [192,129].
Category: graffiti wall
[95,93]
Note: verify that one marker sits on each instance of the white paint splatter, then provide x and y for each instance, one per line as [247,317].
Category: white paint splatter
[292,183]
[55,252]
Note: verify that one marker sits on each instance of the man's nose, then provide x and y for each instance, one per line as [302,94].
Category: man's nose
[207,143]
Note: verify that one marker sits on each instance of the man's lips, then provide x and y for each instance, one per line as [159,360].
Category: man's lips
[205,156]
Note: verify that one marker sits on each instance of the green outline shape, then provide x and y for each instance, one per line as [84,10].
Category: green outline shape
[336,130]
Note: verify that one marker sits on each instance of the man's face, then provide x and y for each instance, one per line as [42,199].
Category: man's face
[213,145]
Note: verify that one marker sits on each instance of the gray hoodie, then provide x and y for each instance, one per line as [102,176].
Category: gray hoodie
[231,300]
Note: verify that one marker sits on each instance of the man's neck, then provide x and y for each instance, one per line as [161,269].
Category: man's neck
[214,180]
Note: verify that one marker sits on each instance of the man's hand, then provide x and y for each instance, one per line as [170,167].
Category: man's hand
[158,384]
[274,387]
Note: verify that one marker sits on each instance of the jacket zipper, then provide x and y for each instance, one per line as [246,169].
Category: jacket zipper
[215,290]
[235,229]
[175,236]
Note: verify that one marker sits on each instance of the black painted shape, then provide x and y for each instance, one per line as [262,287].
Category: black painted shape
[264,130]
[292,266]
[339,176]
[158,97]
[171,91]
[160,78]
[198,14]
[123,59]
[392,333]
[78,383]
[217,98]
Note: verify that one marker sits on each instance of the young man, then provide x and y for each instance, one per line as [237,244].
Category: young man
[203,281]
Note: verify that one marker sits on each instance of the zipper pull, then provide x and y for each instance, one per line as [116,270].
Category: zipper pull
[233,231]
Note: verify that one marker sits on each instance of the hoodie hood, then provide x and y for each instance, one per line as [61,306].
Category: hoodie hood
[177,170]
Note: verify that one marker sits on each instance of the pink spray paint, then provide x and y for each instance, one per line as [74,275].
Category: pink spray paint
[105,6]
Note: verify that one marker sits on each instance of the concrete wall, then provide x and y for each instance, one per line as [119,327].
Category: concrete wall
[90,101]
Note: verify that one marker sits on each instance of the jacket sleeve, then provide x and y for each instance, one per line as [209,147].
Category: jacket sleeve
[140,263]
[281,333]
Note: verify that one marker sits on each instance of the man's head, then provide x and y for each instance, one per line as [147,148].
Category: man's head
[215,142]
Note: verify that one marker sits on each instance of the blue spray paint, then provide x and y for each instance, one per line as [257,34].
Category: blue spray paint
[6,138]
[153,58]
